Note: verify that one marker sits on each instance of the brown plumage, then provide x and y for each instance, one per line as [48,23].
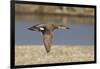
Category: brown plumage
[47,29]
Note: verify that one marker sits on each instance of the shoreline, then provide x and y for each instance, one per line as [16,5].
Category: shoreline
[35,54]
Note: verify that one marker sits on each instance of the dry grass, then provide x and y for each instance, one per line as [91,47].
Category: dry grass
[35,54]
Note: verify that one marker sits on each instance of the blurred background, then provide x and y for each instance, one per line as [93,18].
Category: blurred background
[79,19]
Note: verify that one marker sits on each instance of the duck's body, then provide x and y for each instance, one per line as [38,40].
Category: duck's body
[47,29]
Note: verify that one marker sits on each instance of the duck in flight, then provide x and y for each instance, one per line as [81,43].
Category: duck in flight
[47,29]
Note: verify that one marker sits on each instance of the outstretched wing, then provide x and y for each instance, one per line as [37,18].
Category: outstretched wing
[62,27]
[40,25]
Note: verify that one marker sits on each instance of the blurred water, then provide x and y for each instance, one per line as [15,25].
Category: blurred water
[78,34]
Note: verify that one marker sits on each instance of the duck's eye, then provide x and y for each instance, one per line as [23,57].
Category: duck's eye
[41,28]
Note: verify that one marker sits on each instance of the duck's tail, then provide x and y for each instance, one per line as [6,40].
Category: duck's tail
[47,39]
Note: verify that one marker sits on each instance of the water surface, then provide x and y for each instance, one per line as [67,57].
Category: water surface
[81,30]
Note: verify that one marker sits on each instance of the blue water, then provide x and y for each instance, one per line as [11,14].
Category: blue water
[78,34]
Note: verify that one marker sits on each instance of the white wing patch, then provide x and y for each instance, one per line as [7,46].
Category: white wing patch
[41,28]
